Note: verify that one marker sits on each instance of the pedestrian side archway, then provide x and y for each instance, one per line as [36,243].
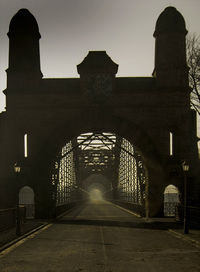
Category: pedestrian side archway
[27,199]
[171,200]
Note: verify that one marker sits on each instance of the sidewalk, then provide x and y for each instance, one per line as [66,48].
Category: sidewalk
[10,234]
[176,228]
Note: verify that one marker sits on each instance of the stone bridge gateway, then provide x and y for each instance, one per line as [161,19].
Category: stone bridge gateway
[152,113]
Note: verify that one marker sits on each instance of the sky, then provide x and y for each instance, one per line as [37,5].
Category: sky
[71,28]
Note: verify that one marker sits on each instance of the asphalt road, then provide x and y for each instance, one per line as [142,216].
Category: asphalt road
[101,237]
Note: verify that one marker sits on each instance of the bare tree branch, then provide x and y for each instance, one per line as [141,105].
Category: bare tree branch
[193,60]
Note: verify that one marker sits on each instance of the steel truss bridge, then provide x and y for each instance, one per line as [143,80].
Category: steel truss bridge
[103,155]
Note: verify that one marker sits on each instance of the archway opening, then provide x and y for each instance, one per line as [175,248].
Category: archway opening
[171,200]
[99,162]
[27,199]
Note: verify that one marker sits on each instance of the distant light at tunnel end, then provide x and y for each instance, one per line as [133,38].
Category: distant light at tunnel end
[95,194]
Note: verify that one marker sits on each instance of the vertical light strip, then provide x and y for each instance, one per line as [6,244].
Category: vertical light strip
[171,143]
[25,145]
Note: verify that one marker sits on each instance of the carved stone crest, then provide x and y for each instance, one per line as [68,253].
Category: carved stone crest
[98,87]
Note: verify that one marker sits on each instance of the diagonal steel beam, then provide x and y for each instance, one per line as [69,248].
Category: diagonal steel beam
[104,143]
[76,146]
[87,143]
[118,145]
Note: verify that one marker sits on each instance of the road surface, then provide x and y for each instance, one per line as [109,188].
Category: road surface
[100,237]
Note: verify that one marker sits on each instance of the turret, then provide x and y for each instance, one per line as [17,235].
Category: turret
[97,73]
[171,68]
[24,56]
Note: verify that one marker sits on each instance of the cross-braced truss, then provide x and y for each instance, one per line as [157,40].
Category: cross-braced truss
[131,175]
[64,177]
[100,153]
[96,153]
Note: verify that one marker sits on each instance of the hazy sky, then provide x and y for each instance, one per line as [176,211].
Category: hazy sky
[70,28]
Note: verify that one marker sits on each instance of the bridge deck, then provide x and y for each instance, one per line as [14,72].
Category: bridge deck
[99,236]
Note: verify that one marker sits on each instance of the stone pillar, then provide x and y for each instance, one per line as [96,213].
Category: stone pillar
[154,189]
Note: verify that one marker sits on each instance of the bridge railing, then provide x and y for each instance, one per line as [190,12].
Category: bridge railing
[8,217]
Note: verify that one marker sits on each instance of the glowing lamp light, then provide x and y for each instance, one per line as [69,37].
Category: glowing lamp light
[17,168]
[185,167]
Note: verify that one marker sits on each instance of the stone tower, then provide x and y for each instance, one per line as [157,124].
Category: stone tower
[24,57]
[171,69]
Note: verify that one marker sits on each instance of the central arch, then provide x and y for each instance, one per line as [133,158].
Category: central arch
[100,120]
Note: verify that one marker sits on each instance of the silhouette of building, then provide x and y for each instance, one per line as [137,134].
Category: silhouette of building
[52,112]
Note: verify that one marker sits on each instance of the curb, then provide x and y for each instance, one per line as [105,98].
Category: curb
[185,238]
[22,237]
[128,211]
[62,214]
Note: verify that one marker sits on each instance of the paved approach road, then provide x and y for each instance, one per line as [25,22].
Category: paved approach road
[100,237]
